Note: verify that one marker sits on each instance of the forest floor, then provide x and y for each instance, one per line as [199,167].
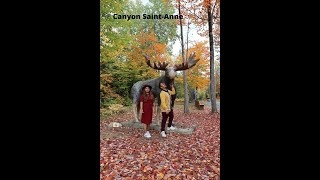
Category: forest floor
[126,154]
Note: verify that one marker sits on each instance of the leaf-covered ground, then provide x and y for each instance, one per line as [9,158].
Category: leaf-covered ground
[126,154]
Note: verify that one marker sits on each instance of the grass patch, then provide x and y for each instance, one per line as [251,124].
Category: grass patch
[113,109]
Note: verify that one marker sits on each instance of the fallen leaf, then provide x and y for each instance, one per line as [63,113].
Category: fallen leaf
[160,175]
[127,153]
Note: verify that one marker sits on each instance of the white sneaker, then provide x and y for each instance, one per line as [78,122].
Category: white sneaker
[163,134]
[147,135]
[171,128]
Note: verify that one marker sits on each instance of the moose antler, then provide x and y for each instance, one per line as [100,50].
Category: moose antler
[190,63]
[154,65]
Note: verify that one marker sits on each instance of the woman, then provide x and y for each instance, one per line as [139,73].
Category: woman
[146,104]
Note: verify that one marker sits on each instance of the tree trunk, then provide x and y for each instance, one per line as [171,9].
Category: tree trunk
[212,80]
[191,92]
[187,40]
[186,96]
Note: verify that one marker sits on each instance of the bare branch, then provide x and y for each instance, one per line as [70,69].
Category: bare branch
[194,13]
[214,7]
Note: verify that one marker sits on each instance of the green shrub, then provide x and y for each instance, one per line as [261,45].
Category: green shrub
[116,108]
[200,95]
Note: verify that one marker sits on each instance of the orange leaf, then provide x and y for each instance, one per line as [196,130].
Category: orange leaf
[160,175]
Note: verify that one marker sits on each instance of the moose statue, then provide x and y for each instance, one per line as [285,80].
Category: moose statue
[168,79]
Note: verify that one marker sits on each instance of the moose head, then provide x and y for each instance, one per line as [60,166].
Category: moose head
[171,71]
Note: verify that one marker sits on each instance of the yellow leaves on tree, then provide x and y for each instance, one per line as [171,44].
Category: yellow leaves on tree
[107,91]
[147,44]
[196,76]
[151,46]
[197,13]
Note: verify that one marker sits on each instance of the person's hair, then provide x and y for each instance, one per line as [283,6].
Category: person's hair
[160,84]
[144,94]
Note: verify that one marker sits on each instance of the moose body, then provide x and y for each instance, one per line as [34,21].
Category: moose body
[168,79]
[154,83]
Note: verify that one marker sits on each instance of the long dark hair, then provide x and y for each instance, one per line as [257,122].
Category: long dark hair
[145,96]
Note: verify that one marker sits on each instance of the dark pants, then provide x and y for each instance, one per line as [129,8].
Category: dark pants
[164,119]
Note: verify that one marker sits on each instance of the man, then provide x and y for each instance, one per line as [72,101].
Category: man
[173,98]
[165,107]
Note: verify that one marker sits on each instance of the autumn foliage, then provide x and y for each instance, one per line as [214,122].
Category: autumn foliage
[197,75]
[125,154]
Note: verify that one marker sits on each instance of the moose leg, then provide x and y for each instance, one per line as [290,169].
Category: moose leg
[158,115]
[135,113]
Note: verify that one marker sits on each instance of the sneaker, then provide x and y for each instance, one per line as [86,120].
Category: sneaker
[171,128]
[163,134]
[147,135]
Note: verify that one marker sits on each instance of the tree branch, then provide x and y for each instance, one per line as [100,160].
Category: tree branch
[215,3]
[194,13]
